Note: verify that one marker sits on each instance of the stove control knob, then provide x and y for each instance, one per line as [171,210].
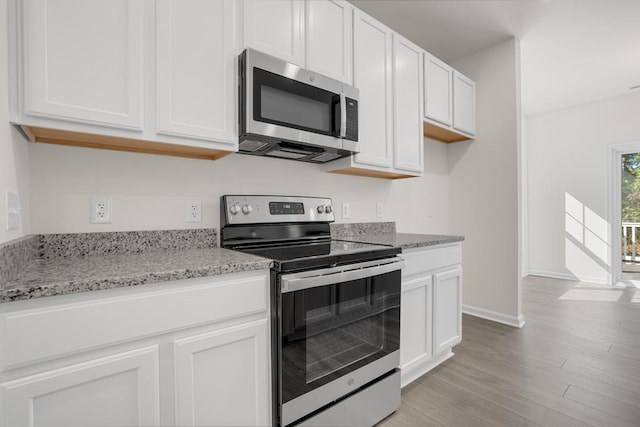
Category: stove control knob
[234,209]
[246,209]
[320,209]
[328,209]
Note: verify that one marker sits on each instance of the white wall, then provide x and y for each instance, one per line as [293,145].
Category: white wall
[483,182]
[151,192]
[567,180]
[14,153]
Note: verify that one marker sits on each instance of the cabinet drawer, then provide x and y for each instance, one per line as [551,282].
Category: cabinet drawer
[95,320]
[423,260]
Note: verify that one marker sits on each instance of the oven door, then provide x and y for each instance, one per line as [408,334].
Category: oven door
[339,330]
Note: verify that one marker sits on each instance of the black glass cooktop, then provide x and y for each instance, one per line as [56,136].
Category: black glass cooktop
[290,257]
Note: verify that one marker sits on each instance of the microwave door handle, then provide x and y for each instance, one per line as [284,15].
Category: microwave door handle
[343,116]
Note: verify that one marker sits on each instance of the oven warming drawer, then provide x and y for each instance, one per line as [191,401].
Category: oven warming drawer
[301,406]
[365,408]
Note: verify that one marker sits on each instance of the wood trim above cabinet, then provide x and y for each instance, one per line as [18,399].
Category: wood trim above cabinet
[372,173]
[87,140]
[441,134]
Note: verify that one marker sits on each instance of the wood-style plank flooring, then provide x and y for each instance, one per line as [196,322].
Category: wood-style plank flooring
[575,362]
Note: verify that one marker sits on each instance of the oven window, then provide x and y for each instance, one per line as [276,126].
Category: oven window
[332,330]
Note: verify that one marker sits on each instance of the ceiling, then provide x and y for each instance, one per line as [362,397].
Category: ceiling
[572,51]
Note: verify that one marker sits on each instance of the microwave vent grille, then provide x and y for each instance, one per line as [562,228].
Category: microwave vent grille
[286,154]
[325,157]
[251,145]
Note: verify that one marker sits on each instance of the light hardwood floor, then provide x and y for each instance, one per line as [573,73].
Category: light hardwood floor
[575,362]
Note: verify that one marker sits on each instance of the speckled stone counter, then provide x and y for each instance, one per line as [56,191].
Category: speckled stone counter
[405,240]
[166,257]
[384,233]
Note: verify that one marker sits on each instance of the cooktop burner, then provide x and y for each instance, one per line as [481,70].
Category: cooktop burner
[293,231]
[307,255]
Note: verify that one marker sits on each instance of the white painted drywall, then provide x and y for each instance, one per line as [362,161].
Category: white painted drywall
[567,181]
[151,192]
[14,150]
[483,182]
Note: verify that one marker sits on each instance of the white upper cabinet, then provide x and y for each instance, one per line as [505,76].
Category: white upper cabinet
[276,27]
[449,102]
[144,76]
[314,34]
[83,61]
[373,76]
[196,58]
[387,69]
[438,89]
[464,103]
[407,88]
[329,32]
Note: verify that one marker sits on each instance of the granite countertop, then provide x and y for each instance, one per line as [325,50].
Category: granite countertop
[384,233]
[405,240]
[59,275]
[59,264]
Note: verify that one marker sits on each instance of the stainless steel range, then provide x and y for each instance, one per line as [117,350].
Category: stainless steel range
[336,311]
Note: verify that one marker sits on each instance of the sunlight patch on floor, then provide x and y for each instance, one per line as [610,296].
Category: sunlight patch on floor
[588,294]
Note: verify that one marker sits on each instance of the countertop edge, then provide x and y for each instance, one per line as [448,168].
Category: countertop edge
[115,282]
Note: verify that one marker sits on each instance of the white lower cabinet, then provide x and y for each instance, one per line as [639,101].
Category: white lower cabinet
[191,353]
[222,377]
[447,307]
[431,309]
[416,322]
[119,390]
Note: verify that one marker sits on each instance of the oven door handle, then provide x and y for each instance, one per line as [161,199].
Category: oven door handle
[330,276]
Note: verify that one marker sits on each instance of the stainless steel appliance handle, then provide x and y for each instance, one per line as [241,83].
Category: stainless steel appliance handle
[343,115]
[328,276]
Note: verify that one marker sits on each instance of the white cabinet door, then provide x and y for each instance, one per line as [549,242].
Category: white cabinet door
[275,27]
[195,87]
[464,103]
[407,88]
[84,61]
[416,337]
[447,298]
[119,390]
[373,76]
[438,84]
[223,377]
[329,27]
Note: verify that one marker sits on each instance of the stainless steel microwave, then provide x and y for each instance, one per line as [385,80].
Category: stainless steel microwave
[289,112]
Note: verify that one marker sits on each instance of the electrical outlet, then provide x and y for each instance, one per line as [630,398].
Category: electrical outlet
[379,210]
[13,211]
[194,210]
[345,210]
[101,212]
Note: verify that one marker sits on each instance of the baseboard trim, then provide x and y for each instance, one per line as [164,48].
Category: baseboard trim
[553,275]
[415,369]
[566,276]
[517,322]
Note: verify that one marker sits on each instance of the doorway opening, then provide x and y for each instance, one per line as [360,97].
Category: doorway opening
[630,215]
[623,212]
